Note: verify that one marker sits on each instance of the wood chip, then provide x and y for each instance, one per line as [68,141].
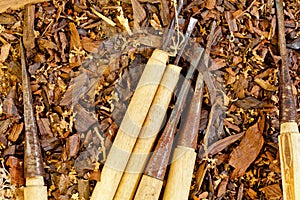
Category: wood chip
[9,107]
[3,141]
[247,151]
[240,192]
[48,140]
[73,145]
[210,4]
[272,191]
[90,45]
[64,45]
[139,13]
[265,85]
[75,43]
[222,187]
[4,52]
[4,125]
[28,30]
[84,119]
[164,12]
[44,127]
[217,64]
[15,170]
[123,20]
[7,19]
[95,175]
[248,103]
[231,126]
[64,183]
[231,22]
[15,132]
[46,44]
[83,189]
[200,174]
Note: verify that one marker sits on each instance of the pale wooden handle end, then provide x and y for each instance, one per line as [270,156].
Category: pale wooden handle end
[180,174]
[149,188]
[35,189]
[289,148]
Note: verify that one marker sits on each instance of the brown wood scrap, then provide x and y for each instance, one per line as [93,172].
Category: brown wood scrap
[16,170]
[4,52]
[28,31]
[223,187]
[9,107]
[73,145]
[15,132]
[223,143]
[139,13]
[272,191]
[164,12]
[83,189]
[247,151]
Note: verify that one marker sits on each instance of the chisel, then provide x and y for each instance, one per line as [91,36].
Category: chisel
[289,138]
[33,161]
[184,155]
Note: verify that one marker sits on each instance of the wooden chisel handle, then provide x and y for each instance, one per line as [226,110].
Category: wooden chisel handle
[149,188]
[289,148]
[180,174]
[184,156]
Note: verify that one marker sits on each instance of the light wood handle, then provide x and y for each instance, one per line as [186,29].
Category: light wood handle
[35,189]
[147,136]
[180,174]
[130,127]
[289,148]
[149,188]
